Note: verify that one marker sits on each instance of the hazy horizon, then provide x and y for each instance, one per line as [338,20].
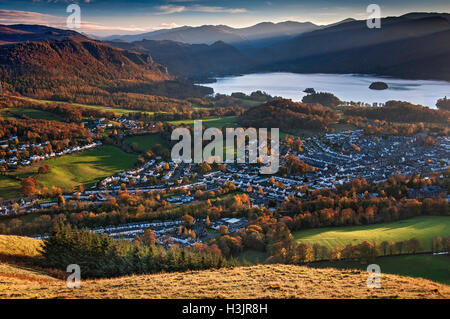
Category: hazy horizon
[120,17]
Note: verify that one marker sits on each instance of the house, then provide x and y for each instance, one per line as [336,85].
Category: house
[427,192]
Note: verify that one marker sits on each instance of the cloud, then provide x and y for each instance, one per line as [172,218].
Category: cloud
[28,17]
[170,9]
[166,26]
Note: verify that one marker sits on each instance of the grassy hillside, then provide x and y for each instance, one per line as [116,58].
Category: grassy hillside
[81,168]
[31,113]
[116,110]
[146,142]
[9,188]
[268,281]
[423,228]
[17,245]
[214,121]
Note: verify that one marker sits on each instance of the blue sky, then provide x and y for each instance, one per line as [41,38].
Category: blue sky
[134,16]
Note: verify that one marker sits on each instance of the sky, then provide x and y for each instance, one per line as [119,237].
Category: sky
[106,17]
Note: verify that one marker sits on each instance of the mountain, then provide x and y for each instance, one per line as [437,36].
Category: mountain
[75,68]
[22,32]
[191,60]
[256,36]
[414,45]
[75,61]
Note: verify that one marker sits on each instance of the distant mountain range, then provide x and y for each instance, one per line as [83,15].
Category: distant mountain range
[194,61]
[259,35]
[414,45]
[64,65]
[23,32]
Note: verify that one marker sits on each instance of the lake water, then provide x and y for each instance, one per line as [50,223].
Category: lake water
[347,87]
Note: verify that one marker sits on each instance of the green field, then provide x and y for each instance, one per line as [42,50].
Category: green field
[31,113]
[253,256]
[214,121]
[9,188]
[81,168]
[422,228]
[436,268]
[117,110]
[146,142]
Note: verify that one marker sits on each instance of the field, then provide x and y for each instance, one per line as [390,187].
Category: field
[423,228]
[146,142]
[81,168]
[214,121]
[9,188]
[16,245]
[263,281]
[436,268]
[117,110]
[31,113]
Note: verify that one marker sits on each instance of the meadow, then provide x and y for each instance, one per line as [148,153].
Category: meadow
[116,110]
[213,121]
[17,245]
[9,188]
[84,168]
[423,228]
[146,142]
[31,113]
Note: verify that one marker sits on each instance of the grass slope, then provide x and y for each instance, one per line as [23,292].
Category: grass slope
[146,142]
[31,113]
[82,168]
[116,110]
[9,188]
[263,281]
[422,228]
[17,245]
[214,121]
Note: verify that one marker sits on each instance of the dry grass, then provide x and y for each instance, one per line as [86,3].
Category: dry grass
[262,281]
[16,245]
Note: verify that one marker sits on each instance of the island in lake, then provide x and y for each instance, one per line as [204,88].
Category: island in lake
[378,86]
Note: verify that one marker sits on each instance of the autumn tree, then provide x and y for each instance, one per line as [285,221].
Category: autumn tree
[29,186]
[188,220]
[304,253]
[149,237]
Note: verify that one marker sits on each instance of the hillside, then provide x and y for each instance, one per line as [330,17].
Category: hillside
[263,281]
[191,60]
[288,115]
[258,35]
[260,281]
[90,72]
[17,245]
[22,32]
[413,46]
[73,62]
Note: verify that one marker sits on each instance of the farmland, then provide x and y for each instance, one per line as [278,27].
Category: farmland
[9,188]
[84,168]
[146,142]
[214,121]
[423,228]
[31,113]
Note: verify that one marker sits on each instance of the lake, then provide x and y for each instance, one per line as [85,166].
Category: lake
[347,87]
